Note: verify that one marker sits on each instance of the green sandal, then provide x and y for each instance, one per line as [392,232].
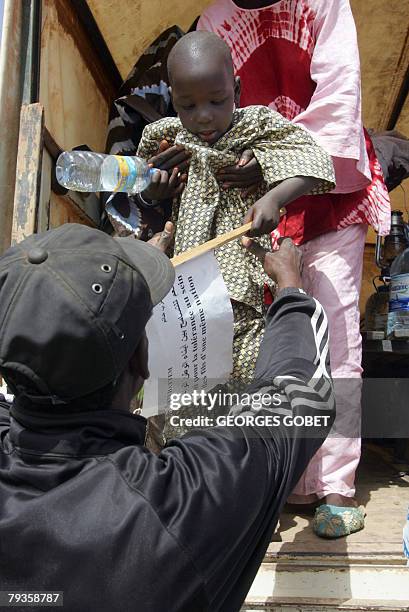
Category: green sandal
[337,521]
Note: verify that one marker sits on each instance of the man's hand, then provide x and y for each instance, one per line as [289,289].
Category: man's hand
[283,266]
[163,240]
[246,173]
[264,214]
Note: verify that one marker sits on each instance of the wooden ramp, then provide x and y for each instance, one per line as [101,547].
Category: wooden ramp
[364,571]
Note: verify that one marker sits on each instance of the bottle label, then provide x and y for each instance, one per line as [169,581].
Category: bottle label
[399,293]
[127,173]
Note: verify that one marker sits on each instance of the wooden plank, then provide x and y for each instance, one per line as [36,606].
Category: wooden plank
[95,38]
[210,245]
[45,192]
[105,73]
[129,27]
[65,210]
[73,90]
[329,584]
[28,173]
[51,145]
[398,90]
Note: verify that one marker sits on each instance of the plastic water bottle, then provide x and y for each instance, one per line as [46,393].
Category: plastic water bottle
[398,317]
[88,171]
[125,173]
[80,170]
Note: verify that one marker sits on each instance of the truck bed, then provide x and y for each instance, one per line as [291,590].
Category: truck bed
[364,571]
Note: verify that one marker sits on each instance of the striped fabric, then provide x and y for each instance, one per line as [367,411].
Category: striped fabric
[298,392]
[143,98]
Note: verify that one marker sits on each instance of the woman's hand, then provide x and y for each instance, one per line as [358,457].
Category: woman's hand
[246,173]
[170,179]
[170,157]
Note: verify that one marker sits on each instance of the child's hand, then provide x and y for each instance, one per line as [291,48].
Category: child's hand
[164,186]
[264,214]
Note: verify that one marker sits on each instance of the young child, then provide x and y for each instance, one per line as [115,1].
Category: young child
[205,94]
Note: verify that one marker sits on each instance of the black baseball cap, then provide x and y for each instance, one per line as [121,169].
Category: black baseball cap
[74,303]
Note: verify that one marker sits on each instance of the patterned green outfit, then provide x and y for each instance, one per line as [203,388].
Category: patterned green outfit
[205,211]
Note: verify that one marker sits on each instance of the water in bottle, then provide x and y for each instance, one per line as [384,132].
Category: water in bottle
[398,317]
[90,172]
[125,173]
[80,170]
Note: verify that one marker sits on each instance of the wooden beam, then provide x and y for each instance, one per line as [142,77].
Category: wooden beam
[77,19]
[86,211]
[43,215]
[62,209]
[51,145]
[399,89]
[89,24]
[399,102]
[28,173]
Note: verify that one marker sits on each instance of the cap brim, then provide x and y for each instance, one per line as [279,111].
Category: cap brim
[154,266]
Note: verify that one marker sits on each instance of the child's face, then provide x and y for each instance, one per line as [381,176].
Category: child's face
[204,100]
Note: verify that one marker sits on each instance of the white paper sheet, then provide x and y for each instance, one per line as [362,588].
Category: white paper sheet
[190,335]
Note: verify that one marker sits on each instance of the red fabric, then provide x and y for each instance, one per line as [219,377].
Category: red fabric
[278,68]
[272,55]
[290,85]
[311,216]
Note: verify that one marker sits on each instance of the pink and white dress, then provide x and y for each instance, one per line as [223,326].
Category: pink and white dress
[301,58]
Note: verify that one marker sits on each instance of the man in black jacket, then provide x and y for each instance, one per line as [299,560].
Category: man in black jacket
[85,508]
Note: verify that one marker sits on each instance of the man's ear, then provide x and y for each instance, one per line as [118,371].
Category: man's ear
[139,360]
[237,91]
